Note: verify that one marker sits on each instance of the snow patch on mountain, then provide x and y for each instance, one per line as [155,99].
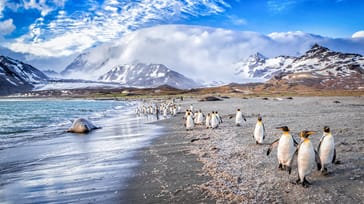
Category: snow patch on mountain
[315,63]
[16,76]
[143,75]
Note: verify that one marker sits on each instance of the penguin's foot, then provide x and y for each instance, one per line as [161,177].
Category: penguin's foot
[289,169]
[280,167]
[305,183]
[256,142]
[325,172]
[298,181]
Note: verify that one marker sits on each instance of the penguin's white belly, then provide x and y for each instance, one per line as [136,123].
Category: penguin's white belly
[189,123]
[285,150]
[214,122]
[199,119]
[305,159]
[238,119]
[259,133]
[207,122]
[327,150]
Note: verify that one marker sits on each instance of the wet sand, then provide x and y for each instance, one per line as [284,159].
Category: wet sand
[226,166]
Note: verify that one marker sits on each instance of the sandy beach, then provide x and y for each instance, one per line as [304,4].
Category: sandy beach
[226,166]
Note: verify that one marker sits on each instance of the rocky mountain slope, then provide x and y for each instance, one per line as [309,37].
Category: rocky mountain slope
[16,76]
[319,67]
[143,75]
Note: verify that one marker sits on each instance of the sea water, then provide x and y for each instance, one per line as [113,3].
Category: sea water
[41,163]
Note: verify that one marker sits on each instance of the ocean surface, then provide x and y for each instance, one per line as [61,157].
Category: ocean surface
[41,163]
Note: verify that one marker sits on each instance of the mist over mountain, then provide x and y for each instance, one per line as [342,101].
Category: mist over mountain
[201,53]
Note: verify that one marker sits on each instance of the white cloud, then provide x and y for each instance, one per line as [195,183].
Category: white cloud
[277,6]
[101,23]
[6,27]
[43,6]
[237,21]
[358,34]
[2,7]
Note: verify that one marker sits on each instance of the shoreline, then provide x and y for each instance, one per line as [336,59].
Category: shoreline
[167,172]
[229,167]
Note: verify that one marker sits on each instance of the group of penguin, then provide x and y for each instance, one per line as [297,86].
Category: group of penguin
[307,156]
[165,109]
[212,120]
[287,146]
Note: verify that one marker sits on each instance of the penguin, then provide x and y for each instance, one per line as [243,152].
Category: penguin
[214,120]
[189,122]
[306,158]
[239,118]
[208,121]
[219,119]
[259,131]
[199,118]
[326,150]
[286,148]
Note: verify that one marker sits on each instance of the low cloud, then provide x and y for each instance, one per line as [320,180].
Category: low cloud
[205,53]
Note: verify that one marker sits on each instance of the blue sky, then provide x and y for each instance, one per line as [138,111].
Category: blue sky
[38,26]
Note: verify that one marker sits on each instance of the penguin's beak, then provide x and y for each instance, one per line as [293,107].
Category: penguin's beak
[311,132]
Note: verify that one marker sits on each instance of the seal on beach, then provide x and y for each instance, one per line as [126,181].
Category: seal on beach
[286,148]
[259,131]
[326,149]
[306,159]
[239,118]
[82,125]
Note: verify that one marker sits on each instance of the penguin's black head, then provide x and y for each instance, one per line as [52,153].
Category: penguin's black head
[238,109]
[283,128]
[326,129]
[259,118]
[306,133]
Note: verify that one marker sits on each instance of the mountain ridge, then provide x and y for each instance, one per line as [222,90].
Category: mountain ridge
[16,76]
[152,75]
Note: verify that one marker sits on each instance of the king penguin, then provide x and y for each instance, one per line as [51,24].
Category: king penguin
[239,118]
[189,121]
[326,150]
[306,159]
[286,148]
[259,131]
[208,120]
[214,120]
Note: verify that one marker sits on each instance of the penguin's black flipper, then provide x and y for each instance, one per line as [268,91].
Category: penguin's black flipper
[319,145]
[294,154]
[295,142]
[272,145]
[334,157]
[263,131]
[318,160]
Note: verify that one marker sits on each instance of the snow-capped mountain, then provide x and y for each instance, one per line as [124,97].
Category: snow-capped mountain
[16,76]
[317,63]
[200,53]
[143,75]
[260,68]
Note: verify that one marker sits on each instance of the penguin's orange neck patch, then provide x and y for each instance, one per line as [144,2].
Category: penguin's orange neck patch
[306,140]
[286,133]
